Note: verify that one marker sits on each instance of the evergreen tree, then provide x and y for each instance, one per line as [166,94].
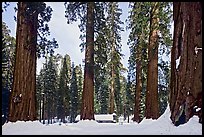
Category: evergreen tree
[8,55]
[39,92]
[160,17]
[186,62]
[101,58]
[50,88]
[79,77]
[31,18]
[141,29]
[85,12]
[114,44]
[73,95]
[129,94]
[138,43]
[63,107]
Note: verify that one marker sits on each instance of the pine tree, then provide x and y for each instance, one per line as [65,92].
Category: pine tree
[79,77]
[39,91]
[50,88]
[114,44]
[8,54]
[73,95]
[129,94]
[137,61]
[63,107]
[101,58]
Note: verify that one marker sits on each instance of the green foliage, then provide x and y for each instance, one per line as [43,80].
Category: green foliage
[50,86]
[79,77]
[75,11]
[129,93]
[44,45]
[139,21]
[74,99]
[63,107]
[101,58]
[8,57]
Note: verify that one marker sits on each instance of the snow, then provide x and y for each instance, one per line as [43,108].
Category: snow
[161,126]
[178,62]
[197,49]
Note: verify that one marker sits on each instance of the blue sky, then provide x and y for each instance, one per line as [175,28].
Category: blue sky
[67,35]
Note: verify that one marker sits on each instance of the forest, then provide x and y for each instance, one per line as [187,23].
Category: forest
[62,90]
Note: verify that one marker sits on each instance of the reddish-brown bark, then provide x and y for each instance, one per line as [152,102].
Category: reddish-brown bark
[22,98]
[87,107]
[152,105]
[186,80]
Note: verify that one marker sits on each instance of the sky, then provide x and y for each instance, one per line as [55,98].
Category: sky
[67,35]
[161,126]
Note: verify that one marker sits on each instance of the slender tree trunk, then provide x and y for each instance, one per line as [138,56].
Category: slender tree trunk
[112,90]
[186,62]
[22,98]
[152,108]
[138,87]
[87,108]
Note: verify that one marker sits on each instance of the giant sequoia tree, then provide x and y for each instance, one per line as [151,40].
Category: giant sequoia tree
[152,72]
[22,98]
[149,23]
[85,12]
[186,62]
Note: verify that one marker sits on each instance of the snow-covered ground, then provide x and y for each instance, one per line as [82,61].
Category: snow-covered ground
[161,126]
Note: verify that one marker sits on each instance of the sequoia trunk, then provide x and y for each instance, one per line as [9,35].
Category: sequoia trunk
[152,108]
[87,108]
[22,98]
[186,62]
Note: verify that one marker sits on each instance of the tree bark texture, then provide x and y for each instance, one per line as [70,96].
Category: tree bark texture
[87,108]
[186,61]
[22,98]
[152,106]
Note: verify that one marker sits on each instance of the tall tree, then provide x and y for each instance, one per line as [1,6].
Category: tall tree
[63,107]
[50,88]
[152,107]
[87,10]
[8,57]
[114,44]
[138,36]
[100,60]
[186,62]
[73,95]
[39,92]
[22,99]
[79,78]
